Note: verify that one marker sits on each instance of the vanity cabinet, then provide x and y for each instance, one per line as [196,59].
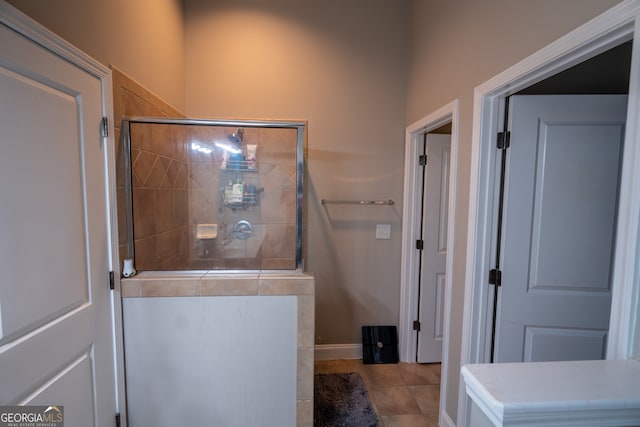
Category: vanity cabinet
[581,393]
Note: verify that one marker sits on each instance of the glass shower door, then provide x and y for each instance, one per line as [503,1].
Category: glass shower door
[211,195]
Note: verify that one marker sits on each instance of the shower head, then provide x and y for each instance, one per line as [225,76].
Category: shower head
[236,137]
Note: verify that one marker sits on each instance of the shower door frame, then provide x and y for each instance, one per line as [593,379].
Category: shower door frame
[301,138]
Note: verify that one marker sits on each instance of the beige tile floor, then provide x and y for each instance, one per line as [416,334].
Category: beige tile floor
[403,395]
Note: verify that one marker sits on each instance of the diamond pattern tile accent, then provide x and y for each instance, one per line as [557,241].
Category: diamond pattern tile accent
[154,171]
[143,165]
[172,173]
[181,177]
[166,181]
[156,175]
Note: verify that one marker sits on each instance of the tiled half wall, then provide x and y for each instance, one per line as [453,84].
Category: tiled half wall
[210,284]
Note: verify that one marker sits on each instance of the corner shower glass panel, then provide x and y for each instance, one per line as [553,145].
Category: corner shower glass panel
[209,194]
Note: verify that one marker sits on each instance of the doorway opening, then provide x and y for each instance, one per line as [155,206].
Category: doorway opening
[608,32]
[546,119]
[445,118]
[435,159]
[559,179]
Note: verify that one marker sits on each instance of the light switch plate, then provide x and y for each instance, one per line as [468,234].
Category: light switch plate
[383,231]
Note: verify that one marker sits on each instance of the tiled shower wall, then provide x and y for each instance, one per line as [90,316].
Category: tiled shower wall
[160,183]
[131,99]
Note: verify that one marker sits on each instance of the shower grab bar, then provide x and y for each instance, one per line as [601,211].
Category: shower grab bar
[358,202]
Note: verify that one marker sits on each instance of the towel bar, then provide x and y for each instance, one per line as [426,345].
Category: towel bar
[358,202]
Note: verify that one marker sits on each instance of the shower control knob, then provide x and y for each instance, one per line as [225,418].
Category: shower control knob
[242,229]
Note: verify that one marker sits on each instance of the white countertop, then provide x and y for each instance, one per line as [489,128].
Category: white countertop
[602,392]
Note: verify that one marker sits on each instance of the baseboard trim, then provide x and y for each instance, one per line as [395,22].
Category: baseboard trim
[338,351]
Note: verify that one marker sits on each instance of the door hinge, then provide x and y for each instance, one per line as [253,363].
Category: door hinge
[111,280]
[420,244]
[104,126]
[118,420]
[416,325]
[495,277]
[504,140]
[422,160]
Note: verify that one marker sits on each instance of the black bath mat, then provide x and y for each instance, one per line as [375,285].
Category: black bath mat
[341,400]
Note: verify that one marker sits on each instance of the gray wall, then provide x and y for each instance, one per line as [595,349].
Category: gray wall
[143,38]
[342,66]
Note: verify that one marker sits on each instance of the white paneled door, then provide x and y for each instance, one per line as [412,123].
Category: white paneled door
[434,252]
[560,210]
[56,333]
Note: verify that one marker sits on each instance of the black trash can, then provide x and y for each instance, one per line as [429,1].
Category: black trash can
[379,344]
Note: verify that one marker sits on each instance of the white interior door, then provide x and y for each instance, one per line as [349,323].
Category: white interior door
[559,226]
[434,253]
[56,334]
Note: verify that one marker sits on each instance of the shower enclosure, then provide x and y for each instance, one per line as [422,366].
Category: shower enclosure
[213,194]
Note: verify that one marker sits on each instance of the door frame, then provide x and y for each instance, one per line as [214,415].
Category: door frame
[618,24]
[411,220]
[32,30]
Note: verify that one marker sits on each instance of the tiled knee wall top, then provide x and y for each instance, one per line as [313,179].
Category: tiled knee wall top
[215,283]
